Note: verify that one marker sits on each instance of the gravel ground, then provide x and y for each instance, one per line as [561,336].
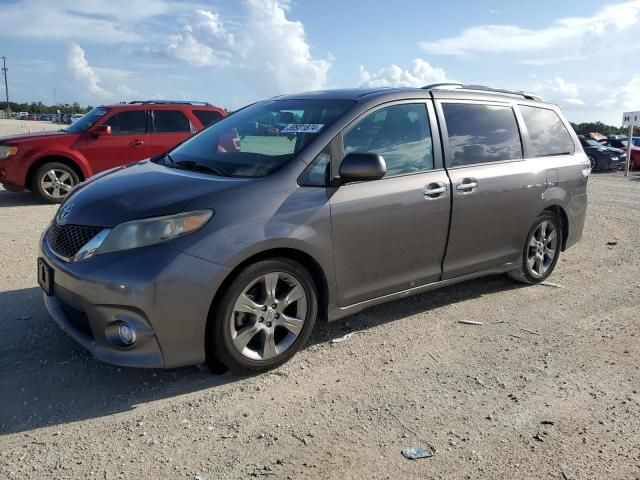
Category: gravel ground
[546,387]
[11,127]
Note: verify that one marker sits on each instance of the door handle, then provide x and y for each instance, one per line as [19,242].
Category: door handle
[137,143]
[434,190]
[467,185]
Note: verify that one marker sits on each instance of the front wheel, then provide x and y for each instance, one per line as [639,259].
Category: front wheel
[53,181]
[541,250]
[264,317]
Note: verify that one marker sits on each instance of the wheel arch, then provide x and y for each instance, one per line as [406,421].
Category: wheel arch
[564,219]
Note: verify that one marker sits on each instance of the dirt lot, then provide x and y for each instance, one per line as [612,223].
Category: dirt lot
[547,386]
[11,127]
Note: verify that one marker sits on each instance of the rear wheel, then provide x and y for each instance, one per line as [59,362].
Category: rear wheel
[593,163]
[541,250]
[53,181]
[264,317]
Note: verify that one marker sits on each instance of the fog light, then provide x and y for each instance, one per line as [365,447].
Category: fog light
[127,334]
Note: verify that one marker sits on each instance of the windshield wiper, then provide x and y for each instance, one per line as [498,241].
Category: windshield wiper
[197,167]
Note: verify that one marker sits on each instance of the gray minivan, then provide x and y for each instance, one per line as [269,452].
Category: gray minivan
[310,206]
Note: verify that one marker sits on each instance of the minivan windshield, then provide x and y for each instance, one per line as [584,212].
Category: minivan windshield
[257,140]
[87,120]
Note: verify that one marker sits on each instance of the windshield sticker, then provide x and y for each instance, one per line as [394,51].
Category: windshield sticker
[302,128]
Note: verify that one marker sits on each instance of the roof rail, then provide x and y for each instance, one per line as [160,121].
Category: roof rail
[175,102]
[482,88]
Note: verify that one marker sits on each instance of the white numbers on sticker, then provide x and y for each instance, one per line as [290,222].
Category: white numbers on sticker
[302,128]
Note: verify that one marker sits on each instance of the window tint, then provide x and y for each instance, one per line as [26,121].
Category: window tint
[481,133]
[134,121]
[207,117]
[547,133]
[170,121]
[400,133]
[317,173]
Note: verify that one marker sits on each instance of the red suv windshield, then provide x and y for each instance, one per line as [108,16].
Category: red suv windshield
[87,120]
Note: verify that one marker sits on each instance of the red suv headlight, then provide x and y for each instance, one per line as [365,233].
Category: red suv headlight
[6,151]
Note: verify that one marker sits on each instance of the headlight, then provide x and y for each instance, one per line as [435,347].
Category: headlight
[140,233]
[6,151]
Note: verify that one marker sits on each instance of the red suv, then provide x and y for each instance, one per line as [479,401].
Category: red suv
[51,163]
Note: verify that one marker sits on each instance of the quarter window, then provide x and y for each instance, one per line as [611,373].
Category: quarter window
[207,117]
[481,133]
[317,173]
[130,122]
[170,121]
[401,134]
[547,133]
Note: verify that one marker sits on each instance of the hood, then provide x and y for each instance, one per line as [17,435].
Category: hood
[22,137]
[140,190]
[603,149]
[613,150]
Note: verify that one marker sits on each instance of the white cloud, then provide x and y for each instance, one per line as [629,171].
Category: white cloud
[559,90]
[84,75]
[625,97]
[204,42]
[583,34]
[275,51]
[269,51]
[420,74]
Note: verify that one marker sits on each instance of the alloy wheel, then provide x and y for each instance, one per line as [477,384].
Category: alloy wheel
[592,162]
[542,248]
[57,183]
[268,316]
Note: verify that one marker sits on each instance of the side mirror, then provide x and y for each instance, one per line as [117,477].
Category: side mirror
[102,130]
[361,167]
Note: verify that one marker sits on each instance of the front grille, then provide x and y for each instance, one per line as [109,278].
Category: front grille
[67,240]
[76,318]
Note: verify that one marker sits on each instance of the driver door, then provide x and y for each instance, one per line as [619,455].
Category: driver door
[128,142]
[390,234]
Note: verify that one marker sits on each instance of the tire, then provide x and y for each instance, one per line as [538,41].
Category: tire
[593,163]
[535,246]
[59,176]
[243,322]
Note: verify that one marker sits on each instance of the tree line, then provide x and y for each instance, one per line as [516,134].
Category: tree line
[39,107]
[599,127]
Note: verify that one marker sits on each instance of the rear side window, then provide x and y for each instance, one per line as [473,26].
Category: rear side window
[481,133]
[130,122]
[400,133]
[170,121]
[547,133]
[207,117]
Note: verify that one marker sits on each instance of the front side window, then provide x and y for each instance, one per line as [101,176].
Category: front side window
[547,133]
[170,121]
[481,133]
[259,139]
[400,133]
[129,122]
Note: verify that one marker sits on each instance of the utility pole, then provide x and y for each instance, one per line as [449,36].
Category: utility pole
[6,83]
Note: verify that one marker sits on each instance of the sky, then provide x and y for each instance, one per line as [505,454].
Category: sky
[581,54]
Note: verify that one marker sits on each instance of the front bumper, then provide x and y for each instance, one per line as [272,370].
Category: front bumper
[165,295]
